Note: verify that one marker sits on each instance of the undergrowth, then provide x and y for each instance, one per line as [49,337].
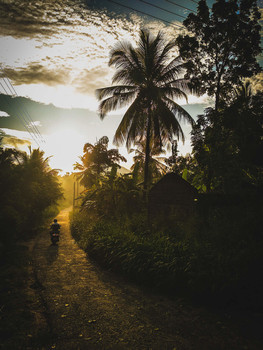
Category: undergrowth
[216,261]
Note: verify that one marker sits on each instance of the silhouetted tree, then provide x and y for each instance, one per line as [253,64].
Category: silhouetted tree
[221,46]
[96,161]
[29,189]
[227,145]
[150,83]
[157,168]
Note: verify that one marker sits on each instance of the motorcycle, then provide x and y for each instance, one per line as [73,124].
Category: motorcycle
[54,236]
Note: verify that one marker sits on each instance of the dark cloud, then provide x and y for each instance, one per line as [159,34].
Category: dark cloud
[36,73]
[90,80]
[14,141]
[22,18]
[35,19]
[47,116]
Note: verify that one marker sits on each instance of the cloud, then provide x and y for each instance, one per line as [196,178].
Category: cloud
[58,51]
[22,18]
[4,114]
[90,80]
[13,141]
[36,73]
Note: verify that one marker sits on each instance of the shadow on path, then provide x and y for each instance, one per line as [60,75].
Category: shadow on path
[51,253]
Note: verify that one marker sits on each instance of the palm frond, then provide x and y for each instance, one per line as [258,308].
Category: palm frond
[131,124]
[113,90]
[114,102]
[179,111]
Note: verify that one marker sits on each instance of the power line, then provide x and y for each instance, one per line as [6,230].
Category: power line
[161,8]
[186,8]
[24,110]
[144,13]
[20,116]
[27,114]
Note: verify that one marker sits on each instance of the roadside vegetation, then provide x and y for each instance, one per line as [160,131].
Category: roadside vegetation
[214,254]
[29,193]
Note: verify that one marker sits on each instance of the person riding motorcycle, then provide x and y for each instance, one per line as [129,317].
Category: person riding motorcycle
[54,231]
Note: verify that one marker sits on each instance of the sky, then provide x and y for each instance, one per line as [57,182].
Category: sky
[55,54]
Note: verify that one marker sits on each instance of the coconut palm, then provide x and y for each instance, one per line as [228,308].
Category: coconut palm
[156,166]
[149,81]
[96,161]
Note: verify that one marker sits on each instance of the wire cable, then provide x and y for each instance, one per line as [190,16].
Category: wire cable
[27,114]
[144,13]
[161,8]
[186,8]
[20,117]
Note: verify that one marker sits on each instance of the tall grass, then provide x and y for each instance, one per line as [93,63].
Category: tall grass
[217,258]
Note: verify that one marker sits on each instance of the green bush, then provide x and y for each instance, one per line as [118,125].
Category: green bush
[219,258]
[154,259]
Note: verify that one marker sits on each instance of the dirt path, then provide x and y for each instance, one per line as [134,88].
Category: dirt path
[87,308]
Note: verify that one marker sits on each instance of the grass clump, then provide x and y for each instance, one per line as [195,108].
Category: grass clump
[149,258]
[215,258]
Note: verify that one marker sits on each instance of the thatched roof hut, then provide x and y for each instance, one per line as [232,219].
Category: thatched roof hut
[172,195]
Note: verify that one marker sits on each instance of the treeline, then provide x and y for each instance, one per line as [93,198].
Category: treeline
[217,252]
[29,193]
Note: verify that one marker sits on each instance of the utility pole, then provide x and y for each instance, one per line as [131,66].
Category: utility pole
[77,192]
[74,190]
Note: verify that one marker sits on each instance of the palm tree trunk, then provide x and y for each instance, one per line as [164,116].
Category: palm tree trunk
[147,155]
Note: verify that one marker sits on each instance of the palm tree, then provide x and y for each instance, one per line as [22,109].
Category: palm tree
[148,81]
[156,166]
[96,161]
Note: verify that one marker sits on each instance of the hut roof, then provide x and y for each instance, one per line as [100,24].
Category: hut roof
[172,180]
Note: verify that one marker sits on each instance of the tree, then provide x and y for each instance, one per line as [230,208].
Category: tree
[221,46]
[149,82]
[228,145]
[29,193]
[156,166]
[96,161]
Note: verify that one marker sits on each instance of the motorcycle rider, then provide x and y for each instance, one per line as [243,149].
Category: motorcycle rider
[55,227]
[54,231]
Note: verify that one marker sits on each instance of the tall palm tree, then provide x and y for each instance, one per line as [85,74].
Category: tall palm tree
[148,81]
[156,166]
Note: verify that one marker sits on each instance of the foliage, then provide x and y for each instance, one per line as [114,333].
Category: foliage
[67,182]
[115,197]
[148,80]
[217,252]
[215,260]
[148,259]
[96,161]
[157,168]
[227,144]
[221,46]
[29,190]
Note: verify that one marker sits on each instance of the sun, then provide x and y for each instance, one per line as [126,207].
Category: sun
[64,146]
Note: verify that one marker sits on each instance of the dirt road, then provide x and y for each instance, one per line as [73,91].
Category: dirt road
[84,307]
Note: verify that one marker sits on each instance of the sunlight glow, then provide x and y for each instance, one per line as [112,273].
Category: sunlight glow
[64,148]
